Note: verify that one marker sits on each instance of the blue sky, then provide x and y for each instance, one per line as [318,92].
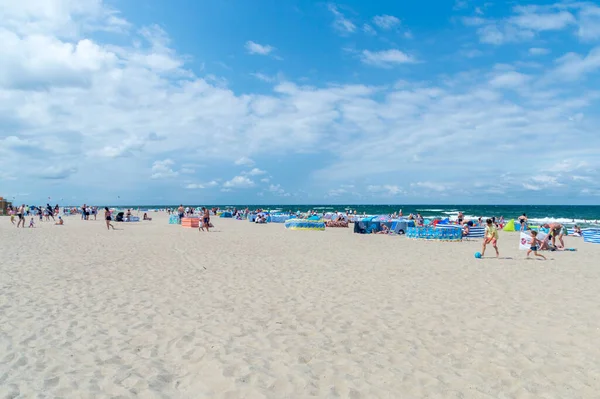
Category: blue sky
[299,102]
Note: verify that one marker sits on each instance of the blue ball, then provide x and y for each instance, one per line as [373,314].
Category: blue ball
[478,255]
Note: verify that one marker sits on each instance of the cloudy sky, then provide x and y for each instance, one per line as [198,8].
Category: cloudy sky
[271,101]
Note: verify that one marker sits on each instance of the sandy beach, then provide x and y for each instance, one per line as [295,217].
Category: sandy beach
[254,311]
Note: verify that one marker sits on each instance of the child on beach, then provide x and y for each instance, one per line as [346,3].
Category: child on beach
[31,223]
[533,245]
[491,237]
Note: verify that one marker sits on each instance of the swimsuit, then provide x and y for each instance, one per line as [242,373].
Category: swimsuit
[534,248]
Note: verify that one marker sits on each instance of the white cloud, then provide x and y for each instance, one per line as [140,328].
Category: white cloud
[439,187]
[386,21]
[509,80]
[538,51]
[386,189]
[239,182]
[573,66]
[163,169]
[278,190]
[461,4]
[263,77]
[260,49]
[546,180]
[265,180]
[589,22]
[244,161]
[368,29]
[530,17]
[529,21]
[255,172]
[127,147]
[386,58]
[194,186]
[64,18]
[340,23]
[336,192]
[56,172]
[197,186]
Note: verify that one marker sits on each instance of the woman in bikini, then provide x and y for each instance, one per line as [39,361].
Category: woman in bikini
[523,220]
[108,218]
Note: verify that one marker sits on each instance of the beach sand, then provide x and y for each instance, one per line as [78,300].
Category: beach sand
[255,311]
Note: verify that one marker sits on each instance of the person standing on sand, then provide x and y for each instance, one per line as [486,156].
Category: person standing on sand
[108,218]
[21,215]
[206,218]
[491,237]
[181,212]
[523,221]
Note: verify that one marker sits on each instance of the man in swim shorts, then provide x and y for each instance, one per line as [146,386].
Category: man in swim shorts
[557,230]
[181,212]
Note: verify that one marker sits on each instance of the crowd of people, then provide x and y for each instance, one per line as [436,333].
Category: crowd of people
[554,240]
[204,223]
[19,214]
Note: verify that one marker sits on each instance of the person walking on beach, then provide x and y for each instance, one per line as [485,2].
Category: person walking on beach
[534,245]
[491,237]
[108,218]
[11,212]
[206,219]
[21,215]
[50,212]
